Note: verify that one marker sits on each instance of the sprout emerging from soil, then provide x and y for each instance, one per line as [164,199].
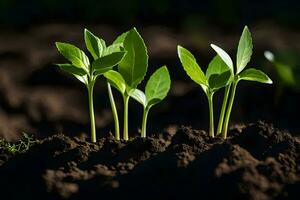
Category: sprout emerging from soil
[156,90]
[131,69]
[243,57]
[105,58]
[217,76]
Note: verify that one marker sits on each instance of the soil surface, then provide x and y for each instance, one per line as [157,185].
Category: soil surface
[257,162]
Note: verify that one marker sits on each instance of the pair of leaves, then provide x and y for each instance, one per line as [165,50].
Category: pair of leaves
[243,57]
[217,75]
[105,58]
[156,89]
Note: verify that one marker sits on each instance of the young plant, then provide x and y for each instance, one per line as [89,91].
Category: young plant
[105,58]
[217,76]
[98,49]
[156,90]
[243,57]
[21,146]
[131,69]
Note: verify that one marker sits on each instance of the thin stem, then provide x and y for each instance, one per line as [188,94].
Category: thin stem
[223,109]
[144,123]
[125,119]
[211,115]
[92,115]
[228,113]
[114,112]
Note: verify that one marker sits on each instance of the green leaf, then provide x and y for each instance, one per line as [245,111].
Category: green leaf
[74,55]
[158,85]
[139,96]
[113,49]
[133,66]
[191,66]
[77,72]
[216,66]
[217,81]
[95,45]
[116,80]
[225,57]
[255,75]
[106,63]
[71,69]
[244,51]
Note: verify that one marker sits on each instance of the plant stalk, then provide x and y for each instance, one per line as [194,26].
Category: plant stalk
[92,115]
[144,123]
[114,112]
[228,113]
[223,109]
[211,115]
[125,119]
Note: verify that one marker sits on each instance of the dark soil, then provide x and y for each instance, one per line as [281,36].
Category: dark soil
[257,162]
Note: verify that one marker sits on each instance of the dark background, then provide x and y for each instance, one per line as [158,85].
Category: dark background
[38,98]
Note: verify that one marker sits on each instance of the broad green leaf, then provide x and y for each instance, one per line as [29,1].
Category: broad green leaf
[255,75]
[158,85]
[225,57]
[116,80]
[217,81]
[244,51]
[216,66]
[133,66]
[106,63]
[79,73]
[95,45]
[191,66]
[74,55]
[139,96]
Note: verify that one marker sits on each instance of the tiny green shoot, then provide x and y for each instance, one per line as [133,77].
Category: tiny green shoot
[243,57]
[21,146]
[217,76]
[105,58]
[156,90]
[131,69]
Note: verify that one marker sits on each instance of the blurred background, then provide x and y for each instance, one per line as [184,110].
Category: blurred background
[37,98]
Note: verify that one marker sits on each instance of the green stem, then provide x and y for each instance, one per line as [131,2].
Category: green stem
[114,112]
[223,109]
[92,115]
[125,119]
[211,115]
[227,117]
[144,123]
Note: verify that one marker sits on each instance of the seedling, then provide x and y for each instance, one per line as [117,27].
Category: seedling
[21,146]
[217,76]
[244,53]
[131,69]
[156,90]
[105,58]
